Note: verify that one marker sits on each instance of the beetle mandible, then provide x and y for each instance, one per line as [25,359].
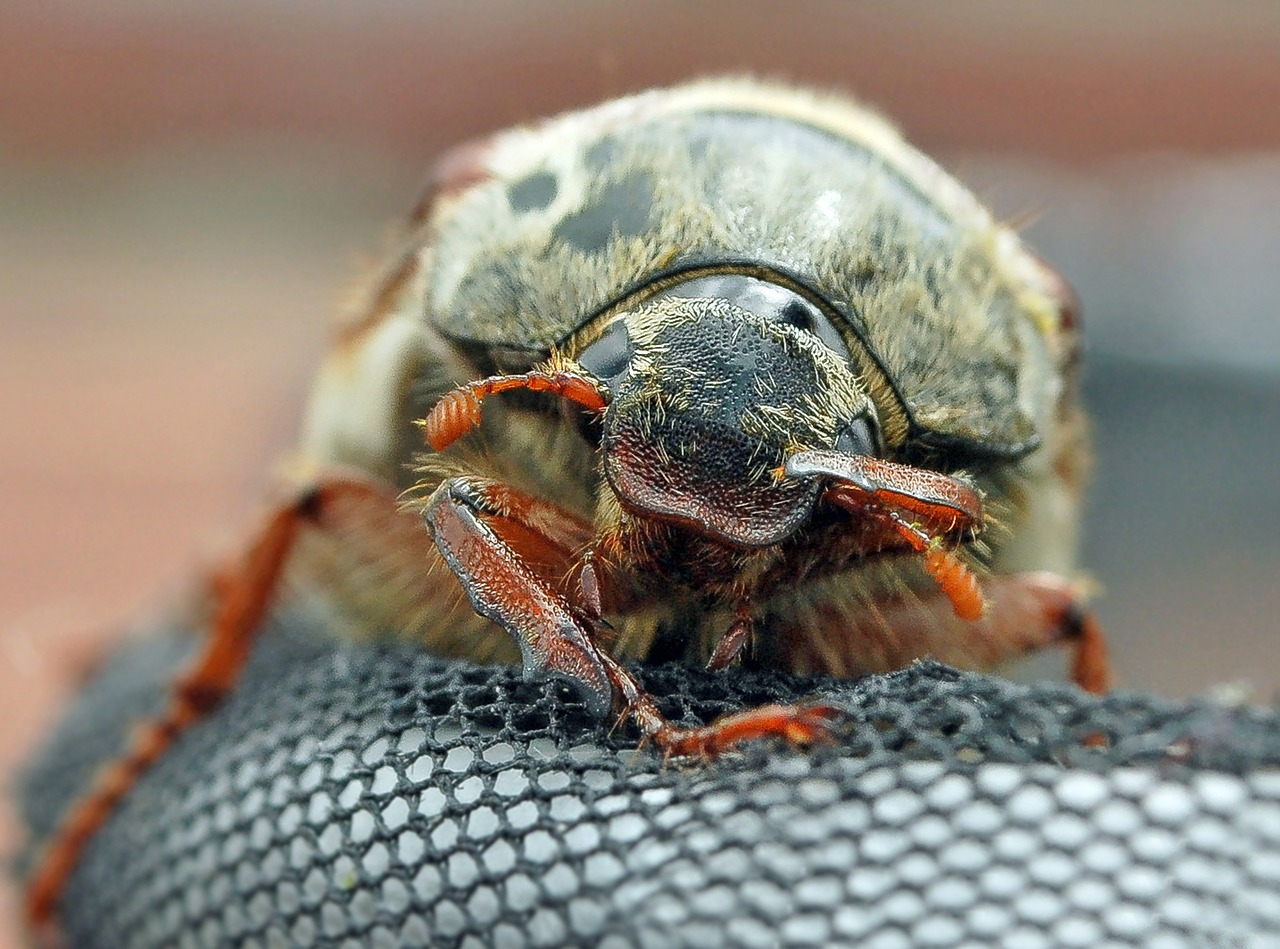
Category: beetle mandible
[759,381]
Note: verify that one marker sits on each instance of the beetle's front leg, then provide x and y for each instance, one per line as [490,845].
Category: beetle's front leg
[511,552]
[1014,614]
[506,550]
[795,724]
[735,639]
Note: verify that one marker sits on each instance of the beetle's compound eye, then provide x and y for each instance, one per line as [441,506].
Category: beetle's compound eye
[796,313]
[773,301]
[857,438]
[609,356]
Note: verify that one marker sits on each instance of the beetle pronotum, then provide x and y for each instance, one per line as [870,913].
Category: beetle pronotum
[759,382]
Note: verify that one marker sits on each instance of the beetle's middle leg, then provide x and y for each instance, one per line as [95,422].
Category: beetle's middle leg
[242,593]
[515,557]
[1029,612]
[1025,613]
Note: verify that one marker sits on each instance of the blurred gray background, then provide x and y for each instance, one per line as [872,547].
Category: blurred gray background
[185,192]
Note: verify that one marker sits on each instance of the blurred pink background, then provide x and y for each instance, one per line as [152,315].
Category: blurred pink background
[184,195]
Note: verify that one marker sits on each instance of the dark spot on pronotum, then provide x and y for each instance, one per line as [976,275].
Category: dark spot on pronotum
[623,209]
[601,155]
[460,168]
[308,504]
[1073,620]
[534,192]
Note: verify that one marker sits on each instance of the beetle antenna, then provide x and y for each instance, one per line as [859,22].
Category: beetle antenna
[459,411]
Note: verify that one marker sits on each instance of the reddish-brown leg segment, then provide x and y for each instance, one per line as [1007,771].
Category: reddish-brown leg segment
[503,547]
[243,593]
[488,537]
[1032,611]
[1019,613]
[796,724]
[1026,613]
[734,640]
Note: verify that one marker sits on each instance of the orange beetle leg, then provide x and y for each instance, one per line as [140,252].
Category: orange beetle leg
[243,594]
[794,724]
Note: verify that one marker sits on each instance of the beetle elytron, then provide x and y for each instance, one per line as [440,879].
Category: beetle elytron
[759,382]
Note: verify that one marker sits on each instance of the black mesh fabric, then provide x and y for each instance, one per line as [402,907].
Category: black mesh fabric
[362,795]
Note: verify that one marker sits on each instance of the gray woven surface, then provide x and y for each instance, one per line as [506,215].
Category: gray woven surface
[361,796]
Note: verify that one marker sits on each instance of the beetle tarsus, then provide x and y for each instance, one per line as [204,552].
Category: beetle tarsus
[794,724]
[1034,610]
[1056,606]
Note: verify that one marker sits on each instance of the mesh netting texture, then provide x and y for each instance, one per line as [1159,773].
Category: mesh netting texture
[360,795]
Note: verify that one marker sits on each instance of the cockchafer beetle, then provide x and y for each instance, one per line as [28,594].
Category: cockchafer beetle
[776,387]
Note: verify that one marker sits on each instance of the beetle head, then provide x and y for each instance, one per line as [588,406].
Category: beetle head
[712,382]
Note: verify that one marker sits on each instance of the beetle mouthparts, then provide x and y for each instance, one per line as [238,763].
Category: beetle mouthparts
[812,464]
[711,492]
[929,495]
[921,507]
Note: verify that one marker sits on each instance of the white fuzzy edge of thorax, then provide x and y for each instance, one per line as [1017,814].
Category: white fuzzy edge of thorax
[353,414]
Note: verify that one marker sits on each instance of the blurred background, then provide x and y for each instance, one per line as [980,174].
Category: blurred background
[185,192]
